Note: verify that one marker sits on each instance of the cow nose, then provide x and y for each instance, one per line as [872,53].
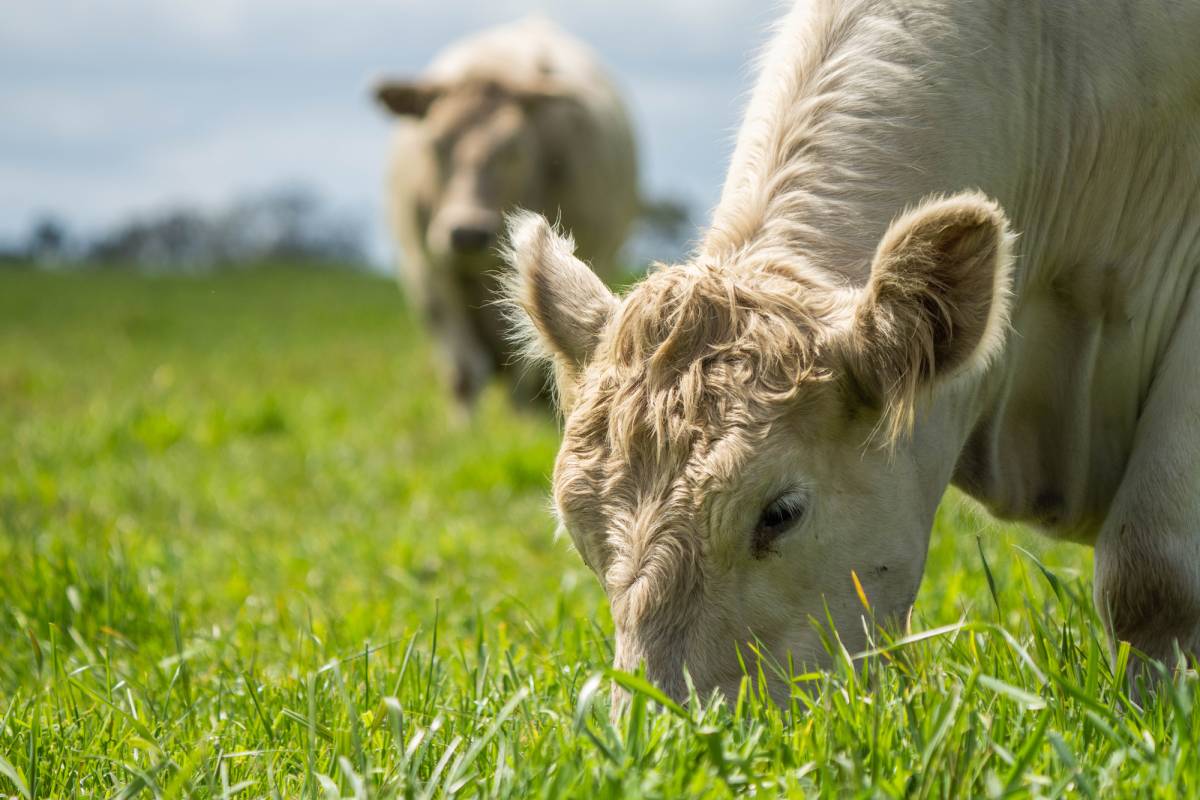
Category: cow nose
[470,239]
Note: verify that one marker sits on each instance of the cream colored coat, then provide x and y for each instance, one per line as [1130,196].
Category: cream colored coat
[958,243]
[518,115]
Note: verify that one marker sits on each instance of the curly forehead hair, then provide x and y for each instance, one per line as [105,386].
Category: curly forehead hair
[696,354]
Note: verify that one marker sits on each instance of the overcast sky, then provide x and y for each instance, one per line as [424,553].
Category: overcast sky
[115,107]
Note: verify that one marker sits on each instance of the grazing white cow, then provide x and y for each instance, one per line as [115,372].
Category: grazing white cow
[958,243]
[519,115]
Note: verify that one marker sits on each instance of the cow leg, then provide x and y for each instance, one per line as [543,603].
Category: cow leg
[465,362]
[1147,583]
[462,359]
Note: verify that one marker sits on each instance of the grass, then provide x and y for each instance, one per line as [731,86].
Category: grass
[247,552]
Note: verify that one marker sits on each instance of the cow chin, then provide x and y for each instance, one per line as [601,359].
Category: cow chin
[722,680]
[713,659]
[719,662]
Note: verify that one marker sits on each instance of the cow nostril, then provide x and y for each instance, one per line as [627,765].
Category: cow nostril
[470,239]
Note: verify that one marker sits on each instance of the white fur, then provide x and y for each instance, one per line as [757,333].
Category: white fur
[1078,411]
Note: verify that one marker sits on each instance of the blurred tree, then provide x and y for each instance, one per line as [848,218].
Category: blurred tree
[175,240]
[48,243]
[663,230]
[668,216]
[289,225]
[48,240]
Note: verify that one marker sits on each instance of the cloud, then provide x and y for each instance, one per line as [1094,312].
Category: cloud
[114,108]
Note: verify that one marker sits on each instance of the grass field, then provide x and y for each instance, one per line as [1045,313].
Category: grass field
[245,551]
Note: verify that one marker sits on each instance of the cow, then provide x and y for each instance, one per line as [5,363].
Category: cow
[517,115]
[958,243]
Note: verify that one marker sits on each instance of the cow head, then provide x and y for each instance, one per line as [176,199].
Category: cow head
[739,437]
[491,152]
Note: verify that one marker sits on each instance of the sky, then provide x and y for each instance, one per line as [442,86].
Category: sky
[115,108]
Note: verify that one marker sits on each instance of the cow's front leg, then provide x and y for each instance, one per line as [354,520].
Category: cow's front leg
[1147,587]
[465,362]
[1148,551]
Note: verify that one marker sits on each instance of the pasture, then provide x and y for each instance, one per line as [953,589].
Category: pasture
[245,550]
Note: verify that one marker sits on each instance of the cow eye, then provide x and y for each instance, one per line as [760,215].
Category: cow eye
[779,517]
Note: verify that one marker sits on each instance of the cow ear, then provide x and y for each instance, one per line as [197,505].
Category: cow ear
[406,98]
[936,303]
[560,306]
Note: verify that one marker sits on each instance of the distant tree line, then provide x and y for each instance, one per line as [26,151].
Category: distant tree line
[289,224]
[285,225]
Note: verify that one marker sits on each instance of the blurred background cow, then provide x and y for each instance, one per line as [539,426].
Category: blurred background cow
[519,116]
